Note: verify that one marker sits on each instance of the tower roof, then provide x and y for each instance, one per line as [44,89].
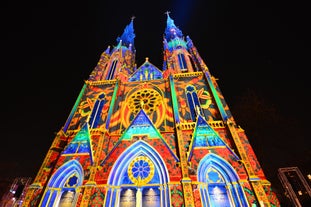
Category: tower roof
[171,30]
[128,35]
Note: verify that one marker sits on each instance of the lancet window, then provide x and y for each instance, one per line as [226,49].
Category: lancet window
[95,117]
[193,101]
[112,70]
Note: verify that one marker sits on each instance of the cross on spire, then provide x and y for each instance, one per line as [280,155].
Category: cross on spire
[167,13]
[133,17]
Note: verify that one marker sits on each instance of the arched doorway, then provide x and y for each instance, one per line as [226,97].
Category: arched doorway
[63,186]
[219,183]
[138,178]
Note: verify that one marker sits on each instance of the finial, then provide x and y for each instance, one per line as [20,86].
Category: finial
[133,17]
[167,13]
[147,59]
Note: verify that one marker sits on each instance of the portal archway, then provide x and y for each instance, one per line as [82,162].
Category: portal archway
[139,177]
[62,187]
[219,183]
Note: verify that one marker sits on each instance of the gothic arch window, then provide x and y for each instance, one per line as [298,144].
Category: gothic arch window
[182,62]
[95,117]
[112,69]
[142,176]
[193,102]
[219,184]
[63,186]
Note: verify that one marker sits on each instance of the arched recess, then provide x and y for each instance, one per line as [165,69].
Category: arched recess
[138,187]
[95,118]
[193,102]
[219,183]
[62,189]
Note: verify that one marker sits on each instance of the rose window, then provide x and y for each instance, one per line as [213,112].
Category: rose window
[147,99]
[141,170]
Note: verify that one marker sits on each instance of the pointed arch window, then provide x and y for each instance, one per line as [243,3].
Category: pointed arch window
[112,70]
[221,184]
[141,171]
[141,174]
[68,194]
[193,102]
[95,117]
[63,187]
[182,62]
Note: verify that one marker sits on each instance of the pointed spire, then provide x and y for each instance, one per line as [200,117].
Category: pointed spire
[128,35]
[171,30]
[107,51]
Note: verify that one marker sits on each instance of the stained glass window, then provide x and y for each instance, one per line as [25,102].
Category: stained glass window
[193,102]
[141,170]
[147,99]
[182,62]
[97,110]
[112,70]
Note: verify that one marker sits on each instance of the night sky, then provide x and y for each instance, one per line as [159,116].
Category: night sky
[258,50]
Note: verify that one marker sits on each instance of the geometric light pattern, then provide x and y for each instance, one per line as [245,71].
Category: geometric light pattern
[80,144]
[146,72]
[213,176]
[141,170]
[147,99]
[141,125]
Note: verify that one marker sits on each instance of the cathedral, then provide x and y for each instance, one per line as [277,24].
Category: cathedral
[144,136]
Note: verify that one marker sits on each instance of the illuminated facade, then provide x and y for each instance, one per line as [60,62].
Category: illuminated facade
[142,136]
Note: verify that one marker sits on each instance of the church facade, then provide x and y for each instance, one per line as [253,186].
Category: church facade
[144,136]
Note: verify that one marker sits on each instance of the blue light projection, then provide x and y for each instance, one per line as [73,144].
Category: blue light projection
[80,144]
[66,178]
[95,117]
[219,180]
[129,162]
[141,169]
[128,35]
[141,125]
[146,72]
[171,31]
[204,136]
[193,102]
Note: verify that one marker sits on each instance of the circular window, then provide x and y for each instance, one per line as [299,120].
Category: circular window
[147,99]
[141,170]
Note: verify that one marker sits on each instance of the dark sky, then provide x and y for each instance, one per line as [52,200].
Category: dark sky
[50,47]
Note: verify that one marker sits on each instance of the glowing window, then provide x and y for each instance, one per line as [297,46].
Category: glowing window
[67,198]
[96,112]
[193,102]
[147,99]
[182,62]
[112,70]
[141,170]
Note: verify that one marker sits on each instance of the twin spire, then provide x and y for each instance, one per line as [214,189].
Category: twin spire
[128,36]
[119,62]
